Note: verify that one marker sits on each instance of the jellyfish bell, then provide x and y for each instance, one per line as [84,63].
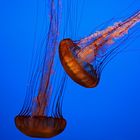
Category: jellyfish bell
[80,71]
[84,60]
[40,126]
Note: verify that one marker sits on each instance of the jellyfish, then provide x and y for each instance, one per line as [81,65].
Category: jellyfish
[85,59]
[41,115]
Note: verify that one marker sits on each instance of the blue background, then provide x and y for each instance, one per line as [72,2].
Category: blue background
[109,112]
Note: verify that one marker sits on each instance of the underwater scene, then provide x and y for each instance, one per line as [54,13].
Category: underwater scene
[69,69]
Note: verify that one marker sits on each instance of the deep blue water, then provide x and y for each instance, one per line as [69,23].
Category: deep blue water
[110,111]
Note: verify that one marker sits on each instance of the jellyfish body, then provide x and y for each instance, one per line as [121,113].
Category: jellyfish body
[41,115]
[83,60]
[33,120]
[81,72]
[40,126]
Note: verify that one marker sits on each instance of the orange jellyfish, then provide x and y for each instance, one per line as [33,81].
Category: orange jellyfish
[41,115]
[84,60]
